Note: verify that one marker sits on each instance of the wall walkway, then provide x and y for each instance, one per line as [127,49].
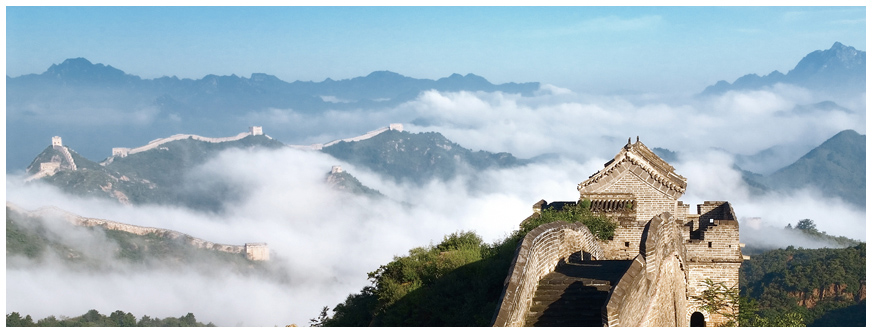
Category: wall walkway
[538,255]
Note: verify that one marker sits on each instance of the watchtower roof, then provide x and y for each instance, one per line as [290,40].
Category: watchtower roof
[637,158]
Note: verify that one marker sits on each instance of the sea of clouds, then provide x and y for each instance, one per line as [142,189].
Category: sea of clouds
[327,240]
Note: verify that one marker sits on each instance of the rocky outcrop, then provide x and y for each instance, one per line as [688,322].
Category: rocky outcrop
[834,291]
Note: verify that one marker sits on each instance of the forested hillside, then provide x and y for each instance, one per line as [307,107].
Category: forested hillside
[417,157]
[156,176]
[817,284]
[94,318]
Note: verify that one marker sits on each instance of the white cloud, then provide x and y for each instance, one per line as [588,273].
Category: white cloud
[327,240]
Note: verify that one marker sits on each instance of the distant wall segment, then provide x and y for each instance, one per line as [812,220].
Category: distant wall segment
[122,152]
[252,251]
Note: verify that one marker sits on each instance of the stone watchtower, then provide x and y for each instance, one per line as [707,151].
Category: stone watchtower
[56,141]
[632,188]
[255,130]
[636,186]
[256,251]
[654,267]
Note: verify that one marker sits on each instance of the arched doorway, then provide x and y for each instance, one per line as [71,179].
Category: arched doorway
[697,320]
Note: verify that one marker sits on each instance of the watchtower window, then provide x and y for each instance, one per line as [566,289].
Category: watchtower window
[626,244]
[710,244]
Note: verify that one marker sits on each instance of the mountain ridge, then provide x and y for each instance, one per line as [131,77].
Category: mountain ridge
[837,167]
[158,174]
[839,69]
[77,94]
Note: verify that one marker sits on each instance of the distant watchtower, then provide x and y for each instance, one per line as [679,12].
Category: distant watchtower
[120,152]
[256,130]
[336,169]
[395,127]
[256,251]
[56,141]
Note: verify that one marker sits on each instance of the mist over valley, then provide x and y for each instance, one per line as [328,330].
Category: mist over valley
[470,155]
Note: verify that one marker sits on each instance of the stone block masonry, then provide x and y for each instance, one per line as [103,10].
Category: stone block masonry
[651,293]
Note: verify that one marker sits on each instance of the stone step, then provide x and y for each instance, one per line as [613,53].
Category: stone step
[574,294]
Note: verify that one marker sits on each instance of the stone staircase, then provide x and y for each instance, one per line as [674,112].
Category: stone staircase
[574,294]
[64,151]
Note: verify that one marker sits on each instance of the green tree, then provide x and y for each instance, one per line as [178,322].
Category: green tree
[807,225]
[357,310]
[121,319]
[599,225]
[93,318]
[720,299]
[13,320]
[318,322]
[188,320]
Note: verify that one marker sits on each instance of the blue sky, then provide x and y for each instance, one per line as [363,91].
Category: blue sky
[597,49]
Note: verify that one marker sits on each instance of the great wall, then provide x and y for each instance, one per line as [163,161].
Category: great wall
[650,273]
[123,152]
[50,168]
[251,251]
[56,164]
[370,134]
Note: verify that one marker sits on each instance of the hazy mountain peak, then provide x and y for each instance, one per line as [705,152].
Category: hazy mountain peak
[383,75]
[837,168]
[838,57]
[261,77]
[74,62]
[840,69]
[80,69]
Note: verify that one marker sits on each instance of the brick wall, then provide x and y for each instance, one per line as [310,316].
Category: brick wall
[697,272]
[649,201]
[713,252]
[719,242]
[624,245]
[651,292]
